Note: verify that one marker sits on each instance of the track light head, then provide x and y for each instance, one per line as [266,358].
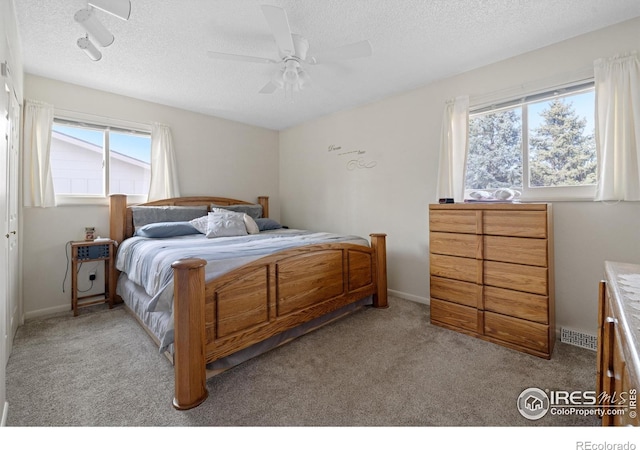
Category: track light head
[92,52]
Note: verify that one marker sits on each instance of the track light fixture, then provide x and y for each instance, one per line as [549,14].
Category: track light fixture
[94,27]
[92,52]
[86,17]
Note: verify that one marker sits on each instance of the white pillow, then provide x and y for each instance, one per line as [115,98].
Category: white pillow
[249,223]
[201,224]
[225,224]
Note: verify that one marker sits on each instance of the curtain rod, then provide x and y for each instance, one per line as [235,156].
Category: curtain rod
[580,76]
[101,120]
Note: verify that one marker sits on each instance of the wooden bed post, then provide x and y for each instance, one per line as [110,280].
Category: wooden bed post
[379,246]
[117,217]
[264,202]
[189,333]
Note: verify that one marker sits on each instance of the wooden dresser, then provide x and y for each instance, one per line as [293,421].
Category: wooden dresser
[618,370]
[491,267]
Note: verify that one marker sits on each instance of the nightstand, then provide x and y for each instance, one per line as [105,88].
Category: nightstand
[92,251]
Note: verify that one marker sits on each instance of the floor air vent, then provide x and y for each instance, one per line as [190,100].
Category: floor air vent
[577,338]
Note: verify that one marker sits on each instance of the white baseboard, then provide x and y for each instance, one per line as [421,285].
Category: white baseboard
[411,297]
[5,413]
[47,312]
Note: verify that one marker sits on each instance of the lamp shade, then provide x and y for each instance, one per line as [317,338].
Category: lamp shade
[290,74]
[304,80]
[118,8]
[90,49]
[96,30]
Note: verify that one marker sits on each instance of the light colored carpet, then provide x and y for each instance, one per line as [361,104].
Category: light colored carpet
[387,367]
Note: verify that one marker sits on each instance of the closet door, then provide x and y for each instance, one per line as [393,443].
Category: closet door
[13,260]
[9,213]
[4,236]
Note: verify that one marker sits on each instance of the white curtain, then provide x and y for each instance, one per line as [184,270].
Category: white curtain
[617,86]
[164,173]
[453,149]
[37,178]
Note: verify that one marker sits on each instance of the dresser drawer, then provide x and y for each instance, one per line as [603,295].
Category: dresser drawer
[465,245]
[517,331]
[513,276]
[531,252]
[523,305]
[515,223]
[455,315]
[461,292]
[455,221]
[456,268]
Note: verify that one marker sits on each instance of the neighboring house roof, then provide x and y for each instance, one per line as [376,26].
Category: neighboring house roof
[86,145]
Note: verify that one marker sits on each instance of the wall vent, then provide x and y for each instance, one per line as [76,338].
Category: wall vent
[579,339]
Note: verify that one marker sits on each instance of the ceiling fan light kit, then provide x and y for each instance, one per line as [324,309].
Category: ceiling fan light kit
[86,17]
[292,75]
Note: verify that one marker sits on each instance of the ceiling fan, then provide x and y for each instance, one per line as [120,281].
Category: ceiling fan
[291,74]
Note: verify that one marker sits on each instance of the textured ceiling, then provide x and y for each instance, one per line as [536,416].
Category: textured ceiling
[160,54]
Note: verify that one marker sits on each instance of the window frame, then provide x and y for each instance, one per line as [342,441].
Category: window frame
[549,193]
[98,123]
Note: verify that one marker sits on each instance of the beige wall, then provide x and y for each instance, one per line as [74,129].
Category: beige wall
[215,157]
[401,135]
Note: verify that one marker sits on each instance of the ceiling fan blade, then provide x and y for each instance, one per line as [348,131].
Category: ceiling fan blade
[351,51]
[279,24]
[230,57]
[269,88]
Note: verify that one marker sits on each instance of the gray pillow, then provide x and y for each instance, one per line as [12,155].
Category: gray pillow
[267,224]
[143,215]
[253,211]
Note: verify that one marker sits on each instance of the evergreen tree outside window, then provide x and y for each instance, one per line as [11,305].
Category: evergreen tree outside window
[543,146]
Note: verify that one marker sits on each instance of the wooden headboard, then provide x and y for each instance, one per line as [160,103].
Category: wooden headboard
[121,217]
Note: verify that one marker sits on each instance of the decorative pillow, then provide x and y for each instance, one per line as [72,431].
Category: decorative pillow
[201,224]
[255,211]
[166,229]
[250,224]
[143,215]
[265,224]
[225,224]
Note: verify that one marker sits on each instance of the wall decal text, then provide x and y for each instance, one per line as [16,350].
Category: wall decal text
[352,164]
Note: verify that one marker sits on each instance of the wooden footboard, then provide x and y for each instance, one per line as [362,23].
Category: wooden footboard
[259,300]
[262,299]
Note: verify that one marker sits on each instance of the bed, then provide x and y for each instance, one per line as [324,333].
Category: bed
[211,306]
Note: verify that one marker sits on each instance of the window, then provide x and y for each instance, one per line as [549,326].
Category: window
[542,146]
[94,161]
